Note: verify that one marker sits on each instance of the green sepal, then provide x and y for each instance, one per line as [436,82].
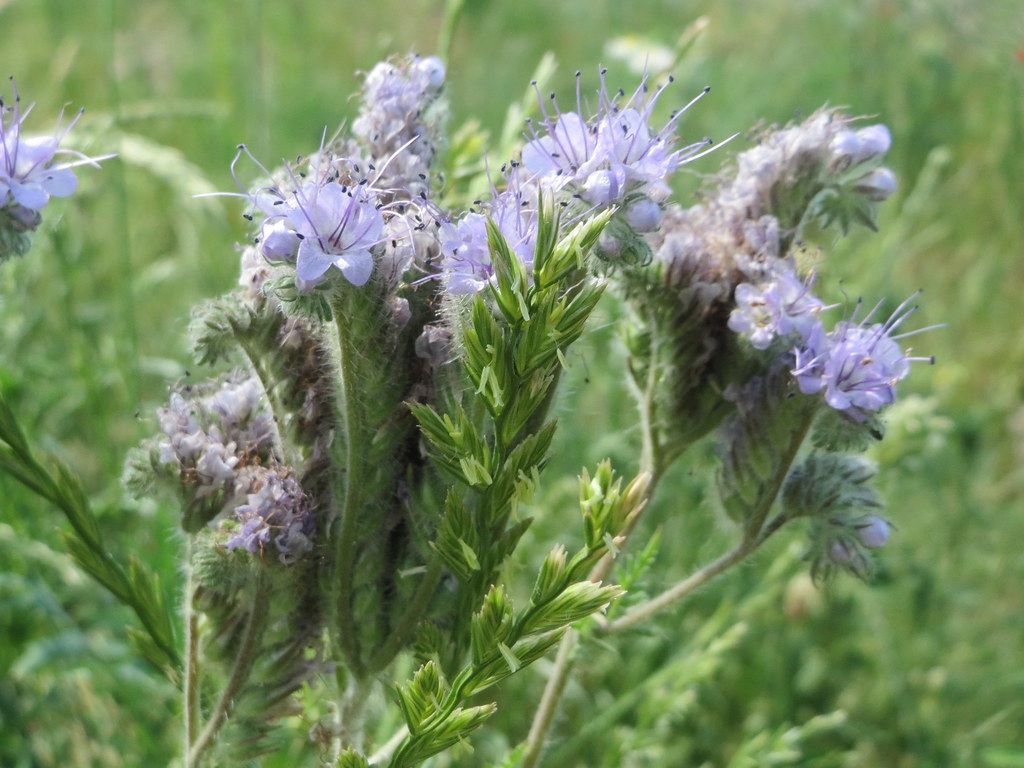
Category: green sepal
[575,602]
[351,759]
[418,698]
[491,625]
[828,483]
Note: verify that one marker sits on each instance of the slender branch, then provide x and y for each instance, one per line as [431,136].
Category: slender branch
[191,677]
[345,541]
[755,533]
[389,747]
[240,670]
[683,588]
[545,716]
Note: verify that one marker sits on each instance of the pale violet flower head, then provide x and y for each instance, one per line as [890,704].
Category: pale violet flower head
[277,516]
[873,531]
[852,147]
[857,365]
[611,155]
[209,432]
[30,173]
[878,184]
[332,216]
[465,251]
[337,225]
[778,308]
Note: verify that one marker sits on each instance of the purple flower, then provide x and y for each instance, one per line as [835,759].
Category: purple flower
[333,217]
[29,175]
[568,154]
[857,365]
[466,256]
[783,306]
[338,226]
[849,147]
[397,90]
[612,155]
[277,512]
[877,185]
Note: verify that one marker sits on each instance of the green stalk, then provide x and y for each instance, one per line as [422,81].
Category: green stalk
[754,535]
[240,670]
[410,619]
[352,428]
[191,676]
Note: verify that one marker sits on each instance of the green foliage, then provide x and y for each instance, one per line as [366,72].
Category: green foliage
[136,587]
[911,659]
[758,446]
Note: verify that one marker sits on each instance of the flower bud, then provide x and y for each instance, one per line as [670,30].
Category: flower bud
[873,531]
[432,70]
[644,215]
[877,185]
[875,141]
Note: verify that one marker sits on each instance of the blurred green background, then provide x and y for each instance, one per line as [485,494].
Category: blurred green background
[922,667]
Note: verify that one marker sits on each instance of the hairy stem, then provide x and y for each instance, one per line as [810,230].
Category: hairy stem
[267,384]
[191,676]
[545,716]
[240,670]
[350,421]
[410,618]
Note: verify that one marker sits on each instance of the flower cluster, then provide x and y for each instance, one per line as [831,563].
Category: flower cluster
[844,542]
[360,204]
[30,174]
[857,365]
[465,251]
[400,122]
[613,157]
[209,437]
[277,512]
[733,252]
[333,217]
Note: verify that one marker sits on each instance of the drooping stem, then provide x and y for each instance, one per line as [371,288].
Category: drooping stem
[545,716]
[755,533]
[254,626]
[191,676]
[683,588]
